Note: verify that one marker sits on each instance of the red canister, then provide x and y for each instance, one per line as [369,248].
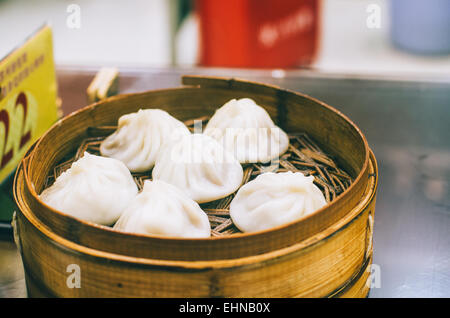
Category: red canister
[258,33]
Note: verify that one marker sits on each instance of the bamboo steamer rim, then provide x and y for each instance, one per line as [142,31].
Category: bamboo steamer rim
[208,82]
[202,265]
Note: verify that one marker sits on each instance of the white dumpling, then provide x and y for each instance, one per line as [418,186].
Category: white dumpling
[140,137]
[274,199]
[94,188]
[199,166]
[246,130]
[163,209]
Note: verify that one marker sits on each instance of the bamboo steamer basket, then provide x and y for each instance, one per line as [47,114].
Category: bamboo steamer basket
[326,254]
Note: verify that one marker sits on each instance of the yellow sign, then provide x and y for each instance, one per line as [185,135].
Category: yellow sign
[28,98]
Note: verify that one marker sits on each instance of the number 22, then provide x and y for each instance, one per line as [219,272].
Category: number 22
[21,100]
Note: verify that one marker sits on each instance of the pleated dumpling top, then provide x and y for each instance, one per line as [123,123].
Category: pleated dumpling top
[94,188]
[163,209]
[141,136]
[273,199]
[199,166]
[246,130]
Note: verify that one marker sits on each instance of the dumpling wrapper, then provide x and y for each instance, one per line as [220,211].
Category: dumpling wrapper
[199,166]
[94,188]
[141,136]
[163,209]
[246,130]
[273,199]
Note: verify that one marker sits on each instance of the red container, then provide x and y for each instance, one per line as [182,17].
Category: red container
[258,33]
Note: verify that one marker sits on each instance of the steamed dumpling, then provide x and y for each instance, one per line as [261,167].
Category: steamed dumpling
[140,137]
[163,209]
[246,130]
[199,166]
[94,188]
[274,199]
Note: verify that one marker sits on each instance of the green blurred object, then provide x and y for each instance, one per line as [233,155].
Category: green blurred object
[7,204]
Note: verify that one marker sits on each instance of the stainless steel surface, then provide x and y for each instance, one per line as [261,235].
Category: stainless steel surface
[12,281]
[407,125]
